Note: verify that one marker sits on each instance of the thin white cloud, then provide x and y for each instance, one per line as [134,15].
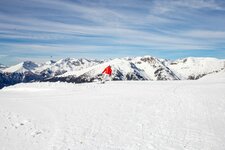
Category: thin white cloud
[53,48]
[205,34]
[1,55]
[167,6]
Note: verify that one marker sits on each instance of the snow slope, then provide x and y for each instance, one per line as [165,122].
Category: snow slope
[214,76]
[125,115]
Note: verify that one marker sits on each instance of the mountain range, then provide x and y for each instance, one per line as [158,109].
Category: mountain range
[128,68]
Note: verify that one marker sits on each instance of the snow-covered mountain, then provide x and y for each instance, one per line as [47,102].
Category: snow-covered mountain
[128,68]
[22,72]
[136,68]
[29,71]
[148,68]
[54,68]
[195,68]
[26,66]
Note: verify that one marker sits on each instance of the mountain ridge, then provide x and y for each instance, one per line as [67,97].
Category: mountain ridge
[126,68]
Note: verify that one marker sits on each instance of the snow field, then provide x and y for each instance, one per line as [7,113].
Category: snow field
[146,115]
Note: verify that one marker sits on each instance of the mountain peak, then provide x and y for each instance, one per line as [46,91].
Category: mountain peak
[29,65]
[25,66]
[50,62]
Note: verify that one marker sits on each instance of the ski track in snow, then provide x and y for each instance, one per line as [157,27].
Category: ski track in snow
[175,115]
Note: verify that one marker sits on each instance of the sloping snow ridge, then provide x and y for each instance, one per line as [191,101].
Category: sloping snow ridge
[214,76]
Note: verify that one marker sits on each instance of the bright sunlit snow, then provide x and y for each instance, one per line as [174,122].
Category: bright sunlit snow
[119,115]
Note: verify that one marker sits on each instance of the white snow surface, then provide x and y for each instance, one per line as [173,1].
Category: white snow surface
[214,76]
[119,115]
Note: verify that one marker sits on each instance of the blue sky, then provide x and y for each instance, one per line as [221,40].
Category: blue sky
[38,29]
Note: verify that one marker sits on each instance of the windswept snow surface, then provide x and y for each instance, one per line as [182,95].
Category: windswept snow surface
[119,115]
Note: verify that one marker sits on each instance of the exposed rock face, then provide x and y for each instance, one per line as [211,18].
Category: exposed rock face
[7,79]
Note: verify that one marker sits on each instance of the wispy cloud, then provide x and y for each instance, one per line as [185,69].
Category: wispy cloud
[1,56]
[106,26]
[166,6]
[206,34]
